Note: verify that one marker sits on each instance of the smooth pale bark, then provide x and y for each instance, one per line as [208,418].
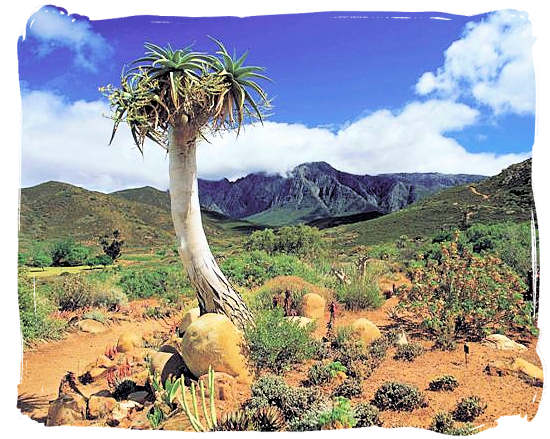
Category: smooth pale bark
[214,291]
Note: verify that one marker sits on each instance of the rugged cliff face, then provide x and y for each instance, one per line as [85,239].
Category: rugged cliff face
[317,190]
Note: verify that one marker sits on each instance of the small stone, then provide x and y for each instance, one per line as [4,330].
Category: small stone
[91,326]
[140,396]
[401,339]
[128,341]
[100,406]
[313,306]
[502,343]
[366,330]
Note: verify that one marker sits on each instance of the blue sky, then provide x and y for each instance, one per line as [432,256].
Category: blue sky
[462,86]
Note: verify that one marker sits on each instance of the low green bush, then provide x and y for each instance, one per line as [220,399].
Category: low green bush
[398,397]
[467,409]
[276,343]
[447,383]
[341,415]
[298,240]
[408,352]
[254,268]
[73,292]
[367,415]
[360,293]
[34,314]
[444,423]
[167,282]
[350,388]
[96,315]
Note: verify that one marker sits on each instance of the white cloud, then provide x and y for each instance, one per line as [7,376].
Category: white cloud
[53,27]
[491,62]
[68,142]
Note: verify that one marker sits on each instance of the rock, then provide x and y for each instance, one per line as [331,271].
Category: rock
[519,367]
[100,406]
[140,396]
[91,326]
[70,405]
[128,341]
[502,343]
[96,372]
[366,330]
[313,306]
[224,386]
[300,320]
[188,317]
[167,364]
[212,340]
[402,339]
[178,422]
[140,378]
[122,410]
[168,348]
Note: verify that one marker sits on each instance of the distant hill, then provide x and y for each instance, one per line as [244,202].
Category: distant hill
[505,197]
[56,210]
[316,190]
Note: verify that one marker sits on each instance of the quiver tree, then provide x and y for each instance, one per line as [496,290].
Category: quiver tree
[175,98]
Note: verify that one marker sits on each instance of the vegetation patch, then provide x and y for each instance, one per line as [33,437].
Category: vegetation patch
[408,352]
[447,383]
[397,396]
[467,409]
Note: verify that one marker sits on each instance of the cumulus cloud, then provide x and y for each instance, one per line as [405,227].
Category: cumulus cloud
[52,27]
[491,62]
[68,142]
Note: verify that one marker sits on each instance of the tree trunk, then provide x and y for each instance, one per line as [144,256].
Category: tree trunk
[214,292]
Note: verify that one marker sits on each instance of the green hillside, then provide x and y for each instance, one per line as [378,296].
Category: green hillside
[56,210]
[504,197]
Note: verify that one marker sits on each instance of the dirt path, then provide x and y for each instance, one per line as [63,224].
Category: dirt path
[475,191]
[43,368]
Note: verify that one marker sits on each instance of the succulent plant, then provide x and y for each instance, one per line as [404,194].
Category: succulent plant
[268,418]
[239,420]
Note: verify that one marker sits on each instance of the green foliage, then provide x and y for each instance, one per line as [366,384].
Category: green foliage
[398,397]
[362,292]
[466,294]
[99,260]
[34,314]
[446,382]
[73,292]
[251,269]
[321,373]
[341,415]
[350,388]
[167,282]
[367,415]
[268,418]
[383,251]
[294,402]
[68,253]
[40,257]
[276,343]
[155,417]
[409,351]
[443,423]
[469,408]
[298,240]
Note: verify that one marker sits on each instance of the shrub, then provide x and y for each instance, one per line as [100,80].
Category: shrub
[398,397]
[350,388]
[383,251]
[318,374]
[109,297]
[466,294]
[446,382]
[33,313]
[73,292]
[254,268]
[348,348]
[275,343]
[467,409]
[278,286]
[293,402]
[360,293]
[162,281]
[40,258]
[366,415]
[298,240]
[341,415]
[409,351]
[443,423]
[99,260]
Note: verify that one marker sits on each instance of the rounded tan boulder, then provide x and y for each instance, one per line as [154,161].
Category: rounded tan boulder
[128,341]
[91,326]
[365,330]
[167,364]
[188,317]
[313,306]
[212,340]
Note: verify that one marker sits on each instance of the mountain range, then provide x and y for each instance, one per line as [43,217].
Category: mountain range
[311,191]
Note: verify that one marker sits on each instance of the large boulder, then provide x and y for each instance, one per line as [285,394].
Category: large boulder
[188,317]
[518,366]
[502,343]
[212,340]
[66,409]
[167,364]
[313,306]
[128,341]
[91,326]
[365,330]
